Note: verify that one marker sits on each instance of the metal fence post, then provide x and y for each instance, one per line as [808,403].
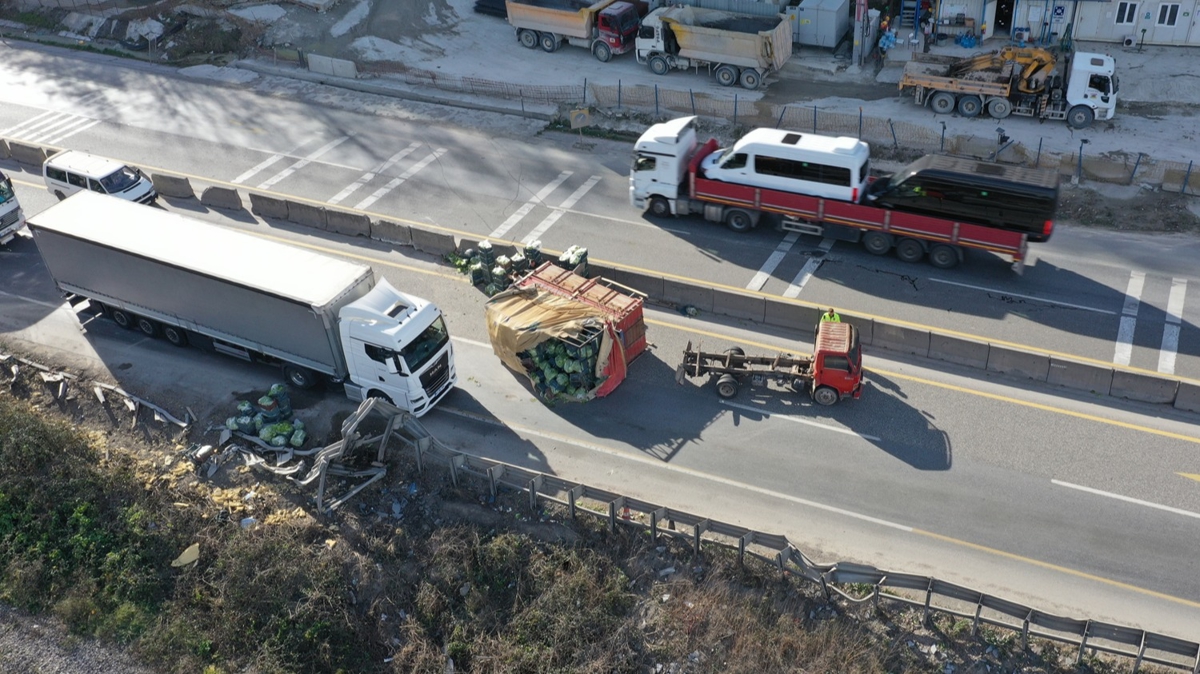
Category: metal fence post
[735,110]
[692,96]
[781,114]
[618,94]
[656,100]
[860,115]
[1136,163]
[1186,176]
[585,91]
[521,94]
[895,143]
[814,119]
[1038,161]
[942,147]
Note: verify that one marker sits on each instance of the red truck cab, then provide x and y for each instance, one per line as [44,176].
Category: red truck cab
[617,25]
[837,363]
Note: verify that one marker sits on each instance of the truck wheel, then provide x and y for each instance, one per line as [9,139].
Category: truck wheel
[739,220]
[942,102]
[910,250]
[943,256]
[726,75]
[602,52]
[376,393]
[300,377]
[727,386]
[1080,117]
[121,318]
[999,108]
[175,335]
[549,43]
[751,78]
[825,395]
[877,243]
[659,65]
[970,106]
[659,207]
[147,327]
[735,350]
[527,38]
[60,195]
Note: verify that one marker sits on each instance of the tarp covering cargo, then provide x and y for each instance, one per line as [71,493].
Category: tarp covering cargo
[722,37]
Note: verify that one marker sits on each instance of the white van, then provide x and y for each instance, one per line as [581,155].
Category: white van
[790,161]
[70,171]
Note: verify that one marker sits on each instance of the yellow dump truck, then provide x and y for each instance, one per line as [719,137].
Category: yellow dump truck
[606,28]
[734,48]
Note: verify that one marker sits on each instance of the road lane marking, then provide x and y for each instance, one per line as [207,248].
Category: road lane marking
[533,201]
[1133,299]
[51,126]
[1170,339]
[266,163]
[370,175]
[1127,499]
[1035,298]
[270,182]
[1190,476]
[764,274]
[570,201]
[800,420]
[78,130]
[395,182]
[808,270]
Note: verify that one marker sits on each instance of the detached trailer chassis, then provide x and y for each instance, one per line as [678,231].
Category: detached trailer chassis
[733,368]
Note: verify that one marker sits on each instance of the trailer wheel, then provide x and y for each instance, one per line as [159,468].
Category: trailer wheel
[175,335]
[999,108]
[826,395]
[751,78]
[970,106]
[60,195]
[527,38]
[1080,117]
[727,386]
[121,318]
[549,43]
[943,256]
[659,65]
[739,220]
[735,350]
[910,250]
[726,75]
[659,207]
[147,327]
[300,377]
[942,102]
[877,243]
[602,52]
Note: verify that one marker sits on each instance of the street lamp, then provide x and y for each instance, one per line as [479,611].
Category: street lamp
[1079,168]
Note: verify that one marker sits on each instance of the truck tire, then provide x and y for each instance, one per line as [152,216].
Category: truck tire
[147,326]
[999,108]
[659,207]
[825,395]
[60,195]
[727,386]
[942,102]
[1080,117]
[300,377]
[659,65]
[549,42]
[376,393]
[751,78]
[602,52]
[735,350]
[943,256]
[527,38]
[910,250]
[970,106]
[726,75]
[738,220]
[877,243]
[122,318]
[175,335]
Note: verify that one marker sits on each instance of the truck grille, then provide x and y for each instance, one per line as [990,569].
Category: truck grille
[436,377]
[9,218]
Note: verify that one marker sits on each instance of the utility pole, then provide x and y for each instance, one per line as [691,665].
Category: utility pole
[860,32]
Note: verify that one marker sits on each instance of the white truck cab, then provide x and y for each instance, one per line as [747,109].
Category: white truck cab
[660,163]
[1093,83]
[12,218]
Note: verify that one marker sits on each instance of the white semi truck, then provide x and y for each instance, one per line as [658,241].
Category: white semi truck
[191,282]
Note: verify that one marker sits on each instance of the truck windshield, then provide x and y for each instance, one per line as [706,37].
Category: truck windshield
[121,180]
[425,346]
[626,22]
[6,190]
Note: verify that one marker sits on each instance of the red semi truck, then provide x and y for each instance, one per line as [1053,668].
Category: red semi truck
[667,179]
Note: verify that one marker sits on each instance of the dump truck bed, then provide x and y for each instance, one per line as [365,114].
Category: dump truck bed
[722,37]
[563,17]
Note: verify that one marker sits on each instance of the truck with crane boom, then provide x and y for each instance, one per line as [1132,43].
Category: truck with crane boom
[734,48]
[605,27]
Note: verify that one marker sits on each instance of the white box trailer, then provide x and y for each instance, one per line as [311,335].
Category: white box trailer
[193,282]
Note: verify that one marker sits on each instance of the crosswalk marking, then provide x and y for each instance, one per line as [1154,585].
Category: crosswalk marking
[273,180]
[562,209]
[536,199]
[1133,299]
[266,163]
[21,130]
[1170,340]
[808,270]
[395,182]
[370,175]
[764,274]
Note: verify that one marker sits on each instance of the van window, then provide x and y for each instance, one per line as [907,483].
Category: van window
[734,161]
[800,170]
[57,175]
[76,180]
[120,180]
[95,186]
[837,363]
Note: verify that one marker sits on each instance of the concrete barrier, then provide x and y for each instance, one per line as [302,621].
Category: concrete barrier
[789,315]
[222,197]
[685,294]
[306,215]
[900,338]
[648,284]
[390,232]
[1080,376]
[434,243]
[26,154]
[1011,361]
[172,186]
[738,305]
[1188,397]
[1144,387]
[3,149]
[350,224]
[268,207]
[324,65]
[958,350]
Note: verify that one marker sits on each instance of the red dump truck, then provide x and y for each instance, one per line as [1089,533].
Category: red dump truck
[667,178]
[606,27]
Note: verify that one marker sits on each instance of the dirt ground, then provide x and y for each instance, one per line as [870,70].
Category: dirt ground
[1128,209]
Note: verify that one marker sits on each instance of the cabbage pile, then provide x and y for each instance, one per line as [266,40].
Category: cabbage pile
[563,371]
[497,272]
[270,420]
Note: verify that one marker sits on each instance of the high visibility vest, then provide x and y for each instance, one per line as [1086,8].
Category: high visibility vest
[831,318]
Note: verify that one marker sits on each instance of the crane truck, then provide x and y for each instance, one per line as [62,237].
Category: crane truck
[605,27]
[668,178]
[191,282]
[734,48]
[1026,81]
